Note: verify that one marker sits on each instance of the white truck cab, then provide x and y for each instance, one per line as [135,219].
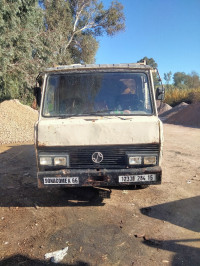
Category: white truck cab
[98,126]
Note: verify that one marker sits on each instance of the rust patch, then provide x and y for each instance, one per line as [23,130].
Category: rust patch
[65,172]
[99,178]
[40,184]
[40,144]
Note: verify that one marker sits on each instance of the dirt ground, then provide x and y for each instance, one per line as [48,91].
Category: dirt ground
[159,225]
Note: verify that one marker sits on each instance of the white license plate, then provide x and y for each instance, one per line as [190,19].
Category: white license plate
[137,178]
[61,180]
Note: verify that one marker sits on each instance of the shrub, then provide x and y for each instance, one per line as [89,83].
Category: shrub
[176,96]
[194,95]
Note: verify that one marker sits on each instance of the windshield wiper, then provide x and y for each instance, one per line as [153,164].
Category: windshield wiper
[98,113]
[68,116]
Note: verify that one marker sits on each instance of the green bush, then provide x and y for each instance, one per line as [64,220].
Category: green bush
[194,96]
[174,96]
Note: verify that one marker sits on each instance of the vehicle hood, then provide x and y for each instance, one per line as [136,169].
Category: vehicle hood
[77,131]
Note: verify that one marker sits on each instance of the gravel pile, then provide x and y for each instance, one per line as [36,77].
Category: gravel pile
[173,110]
[189,116]
[16,122]
[163,107]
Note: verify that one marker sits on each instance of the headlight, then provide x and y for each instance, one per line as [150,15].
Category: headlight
[150,160]
[134,160]
[54,160]
[45,160]
[60,161]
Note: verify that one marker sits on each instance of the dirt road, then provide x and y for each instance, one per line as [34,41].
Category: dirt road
[159,225]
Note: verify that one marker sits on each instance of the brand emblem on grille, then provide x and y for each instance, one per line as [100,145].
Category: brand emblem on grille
[97,157]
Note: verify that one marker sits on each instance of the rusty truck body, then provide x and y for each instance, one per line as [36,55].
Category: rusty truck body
[98,126]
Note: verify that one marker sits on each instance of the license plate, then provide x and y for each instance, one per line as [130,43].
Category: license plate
[137,178]
[61,180]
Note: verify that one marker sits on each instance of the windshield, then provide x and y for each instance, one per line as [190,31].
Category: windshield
[97,93]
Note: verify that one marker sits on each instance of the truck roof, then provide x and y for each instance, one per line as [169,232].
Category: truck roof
[62,68]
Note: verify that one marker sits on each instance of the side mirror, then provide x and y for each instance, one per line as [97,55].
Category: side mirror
[37,94]
[160,93]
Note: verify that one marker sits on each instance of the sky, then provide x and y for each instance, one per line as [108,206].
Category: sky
[166,30]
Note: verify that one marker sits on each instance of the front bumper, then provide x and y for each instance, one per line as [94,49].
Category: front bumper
[99,178]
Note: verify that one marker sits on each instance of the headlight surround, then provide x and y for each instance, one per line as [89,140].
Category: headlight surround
[150,160]
[46,160]
[134,160]
[141,159]
[54,160]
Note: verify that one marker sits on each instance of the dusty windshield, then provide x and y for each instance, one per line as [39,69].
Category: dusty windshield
[97,93]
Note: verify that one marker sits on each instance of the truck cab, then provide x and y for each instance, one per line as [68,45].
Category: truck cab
[98,126]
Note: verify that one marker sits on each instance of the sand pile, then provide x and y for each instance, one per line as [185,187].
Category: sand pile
[16,122]
[173,110]
[163,107]
[188,116]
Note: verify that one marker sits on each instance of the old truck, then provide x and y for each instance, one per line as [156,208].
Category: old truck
[98,126]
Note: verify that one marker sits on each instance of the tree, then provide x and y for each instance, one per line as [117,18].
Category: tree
[182,80]
[74,26]
[167,77]
[179,78]
[20,23]
[192,80]
[151,62]
[33,36]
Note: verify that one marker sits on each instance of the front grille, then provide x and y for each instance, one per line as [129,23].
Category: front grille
[113,156]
